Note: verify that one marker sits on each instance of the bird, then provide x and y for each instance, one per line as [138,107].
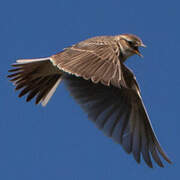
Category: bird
[96,76]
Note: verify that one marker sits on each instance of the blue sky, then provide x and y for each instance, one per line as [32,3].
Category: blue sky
[59,142]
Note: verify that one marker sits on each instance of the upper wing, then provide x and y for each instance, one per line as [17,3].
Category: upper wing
[120,113]
[93,59]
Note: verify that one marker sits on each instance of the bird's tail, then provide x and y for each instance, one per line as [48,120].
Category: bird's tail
[35,77]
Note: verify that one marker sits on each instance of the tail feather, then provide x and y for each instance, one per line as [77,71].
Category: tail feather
[37,78]
[46,98]
[23,61]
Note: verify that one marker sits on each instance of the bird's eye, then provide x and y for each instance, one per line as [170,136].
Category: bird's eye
[130,43]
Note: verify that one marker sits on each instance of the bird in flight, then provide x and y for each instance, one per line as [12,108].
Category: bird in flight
[96,76]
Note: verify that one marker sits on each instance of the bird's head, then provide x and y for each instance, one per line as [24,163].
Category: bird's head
[130,44]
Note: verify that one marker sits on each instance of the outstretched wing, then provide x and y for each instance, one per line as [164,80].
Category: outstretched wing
[120,113]
[96,59]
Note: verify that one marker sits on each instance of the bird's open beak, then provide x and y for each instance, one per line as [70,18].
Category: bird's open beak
[143,45]
[136,51]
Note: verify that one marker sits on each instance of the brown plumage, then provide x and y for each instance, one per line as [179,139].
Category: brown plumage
[96,76]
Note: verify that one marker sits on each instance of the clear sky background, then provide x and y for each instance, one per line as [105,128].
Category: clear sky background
[58,141]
